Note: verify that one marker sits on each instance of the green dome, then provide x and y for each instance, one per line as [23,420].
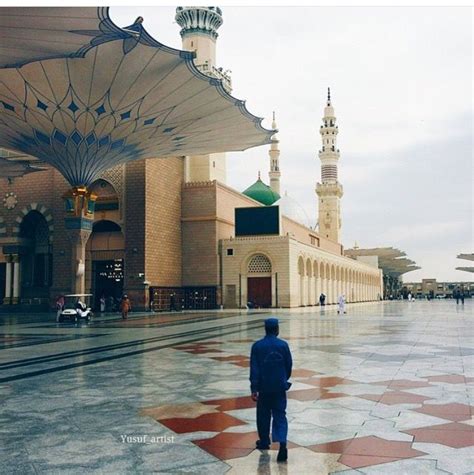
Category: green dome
[261,193]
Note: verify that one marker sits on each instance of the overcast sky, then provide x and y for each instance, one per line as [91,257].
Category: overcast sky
[401,82]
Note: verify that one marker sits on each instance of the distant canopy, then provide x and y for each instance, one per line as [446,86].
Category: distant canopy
[84,95]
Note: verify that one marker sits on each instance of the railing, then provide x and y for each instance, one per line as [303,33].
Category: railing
[217,73]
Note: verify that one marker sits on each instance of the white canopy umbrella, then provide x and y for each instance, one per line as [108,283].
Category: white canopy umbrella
[84,95]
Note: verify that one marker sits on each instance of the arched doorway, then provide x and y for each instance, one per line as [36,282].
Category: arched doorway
[259,281]
[105,253]
[36,258]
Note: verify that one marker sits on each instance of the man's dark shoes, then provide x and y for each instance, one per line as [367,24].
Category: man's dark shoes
[282,454]
[261,446]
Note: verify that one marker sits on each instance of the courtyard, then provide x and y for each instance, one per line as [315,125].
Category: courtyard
[386,388]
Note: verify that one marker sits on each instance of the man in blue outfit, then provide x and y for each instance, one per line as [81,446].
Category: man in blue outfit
[270,370]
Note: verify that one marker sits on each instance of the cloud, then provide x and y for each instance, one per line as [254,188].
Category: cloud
[416,233]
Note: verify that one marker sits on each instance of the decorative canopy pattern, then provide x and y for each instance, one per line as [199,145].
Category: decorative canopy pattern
[392,261]
[82,94]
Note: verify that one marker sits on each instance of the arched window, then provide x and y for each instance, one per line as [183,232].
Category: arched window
[259,264]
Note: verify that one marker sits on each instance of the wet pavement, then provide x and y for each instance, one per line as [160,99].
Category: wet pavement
[387,388]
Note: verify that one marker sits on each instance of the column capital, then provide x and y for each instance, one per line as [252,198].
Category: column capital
[80,202]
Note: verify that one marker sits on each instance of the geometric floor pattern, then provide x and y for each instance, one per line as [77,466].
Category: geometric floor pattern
[386,388]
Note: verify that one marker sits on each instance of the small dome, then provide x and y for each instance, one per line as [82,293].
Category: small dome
[290,208]
[261,193]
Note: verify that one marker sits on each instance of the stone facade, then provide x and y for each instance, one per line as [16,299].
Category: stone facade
[148,214]
[175,234]
[299,272]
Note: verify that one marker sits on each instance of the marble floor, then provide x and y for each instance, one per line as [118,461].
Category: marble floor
[386,388]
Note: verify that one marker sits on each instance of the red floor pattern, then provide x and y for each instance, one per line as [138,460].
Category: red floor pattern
[357,452]
[452,412]
[364,451]
[454,434]
[215,422]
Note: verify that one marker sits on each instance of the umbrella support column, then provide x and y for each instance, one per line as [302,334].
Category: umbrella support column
[78,238]
[80,205]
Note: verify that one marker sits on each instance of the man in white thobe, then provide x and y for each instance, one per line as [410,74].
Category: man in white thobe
[341,301]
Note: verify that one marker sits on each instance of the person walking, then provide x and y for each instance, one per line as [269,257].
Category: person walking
[270,370]
[341,302]
[457,295]
[125,306]
[102,304]
[322,300]
[59,306]
[461,296]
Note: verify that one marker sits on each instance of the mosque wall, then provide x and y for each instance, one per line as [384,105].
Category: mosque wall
[303,234]
[41,192]
[198,231]
[228,199]
[207,216]
[163,221]
[236,256]
[299,273]
[135,249]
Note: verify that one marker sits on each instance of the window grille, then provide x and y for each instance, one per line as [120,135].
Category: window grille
[259,264]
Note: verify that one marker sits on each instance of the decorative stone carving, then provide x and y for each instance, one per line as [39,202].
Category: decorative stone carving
[10,200]
[116,177]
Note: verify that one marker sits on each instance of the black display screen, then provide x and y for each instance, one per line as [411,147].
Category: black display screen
[257,220]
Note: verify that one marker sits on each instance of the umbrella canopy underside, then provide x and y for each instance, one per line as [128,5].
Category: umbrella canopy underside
[83,95]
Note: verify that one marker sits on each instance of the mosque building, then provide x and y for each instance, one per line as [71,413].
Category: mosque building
[174,230]
[292,263]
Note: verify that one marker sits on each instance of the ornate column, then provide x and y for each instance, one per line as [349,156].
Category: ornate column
[80,204]
[8,282]
[16,279]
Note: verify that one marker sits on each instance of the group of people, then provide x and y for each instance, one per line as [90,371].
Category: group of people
[124,305]
[341,303]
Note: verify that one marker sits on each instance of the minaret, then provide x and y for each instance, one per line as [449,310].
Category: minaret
[329,191]
[274,153]
[199,27]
